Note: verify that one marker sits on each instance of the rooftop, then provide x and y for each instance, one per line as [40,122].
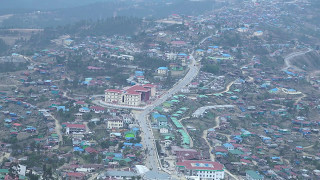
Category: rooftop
[201,165]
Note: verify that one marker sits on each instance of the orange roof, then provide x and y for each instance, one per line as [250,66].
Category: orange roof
[113,90]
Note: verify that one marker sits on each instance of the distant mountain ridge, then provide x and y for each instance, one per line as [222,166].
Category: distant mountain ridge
[44,4]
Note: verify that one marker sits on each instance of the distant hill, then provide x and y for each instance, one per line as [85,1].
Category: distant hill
[44,4]
[99,9]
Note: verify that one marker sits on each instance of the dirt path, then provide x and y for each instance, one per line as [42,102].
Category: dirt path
[58,131]
[212,156]
[5,155]
[228,87]
[205,135]
[226,90]
[300,98]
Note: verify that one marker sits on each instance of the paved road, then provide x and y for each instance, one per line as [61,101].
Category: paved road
[152,159]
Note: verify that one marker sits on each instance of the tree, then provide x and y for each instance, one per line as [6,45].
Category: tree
[87,116]
[47,172]
[122,163]
[211,68]
[13,170]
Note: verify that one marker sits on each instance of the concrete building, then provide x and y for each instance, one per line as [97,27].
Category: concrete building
[132,96]
[75,128]
[204,170]
[115,123]
[118,175]
[162,70]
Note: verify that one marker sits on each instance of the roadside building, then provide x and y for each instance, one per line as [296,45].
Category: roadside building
[162,70]
[202,169]
[75,128]
[115,123]
[132,96]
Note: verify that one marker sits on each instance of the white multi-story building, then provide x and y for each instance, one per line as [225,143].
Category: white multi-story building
[132,96]
[204,170]
[115,123]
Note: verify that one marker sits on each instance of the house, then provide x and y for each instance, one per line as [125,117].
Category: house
[80,103]
[200,52]
[75,176]
[78,115]
[126,57]
[162,120]
[258,33]
[97,109]
[202,169]
[164,129]
[115,123]
[171,56]
[162,70]
[127,118]
[75,128]
[253,175]
[228,146]
[84,110]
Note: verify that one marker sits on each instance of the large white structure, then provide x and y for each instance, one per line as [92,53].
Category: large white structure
[132,96]
[204,170]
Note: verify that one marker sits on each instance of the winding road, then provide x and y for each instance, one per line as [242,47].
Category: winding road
[289,57]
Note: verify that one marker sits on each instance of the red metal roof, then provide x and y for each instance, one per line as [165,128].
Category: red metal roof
[201,165]
[97,108]
[78,126]
[75,174]
[113,90]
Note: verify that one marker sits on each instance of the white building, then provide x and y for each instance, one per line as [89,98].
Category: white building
[115,123]
[132,96]
[206,170]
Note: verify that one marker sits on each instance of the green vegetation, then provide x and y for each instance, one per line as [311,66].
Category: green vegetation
[3,47]
[211,68]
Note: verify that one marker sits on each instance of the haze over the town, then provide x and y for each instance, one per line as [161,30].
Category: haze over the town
[159,89]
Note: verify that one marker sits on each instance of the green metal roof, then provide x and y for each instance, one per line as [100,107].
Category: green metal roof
[254,174]
[4,171]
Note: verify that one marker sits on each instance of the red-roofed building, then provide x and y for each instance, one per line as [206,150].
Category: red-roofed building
[71,128]
[203,169]
[132,96]
[80,103]
[90,150]
[97,109]
[75,176]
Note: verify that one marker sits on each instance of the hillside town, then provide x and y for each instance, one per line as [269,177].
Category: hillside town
[221,95]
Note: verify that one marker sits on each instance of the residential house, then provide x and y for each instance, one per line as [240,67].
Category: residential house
[228,146]
[84,110]
[97,109]
[75,176]
[253,175]
[164,129]
[162,70]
